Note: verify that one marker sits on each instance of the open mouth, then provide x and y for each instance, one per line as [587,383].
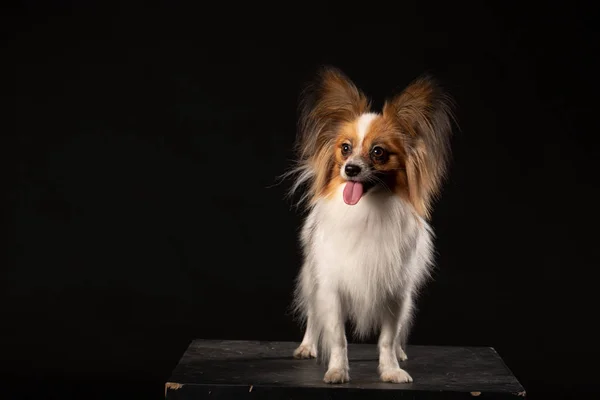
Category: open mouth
[355,190]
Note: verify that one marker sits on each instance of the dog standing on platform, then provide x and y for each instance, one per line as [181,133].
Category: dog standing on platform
[369,180]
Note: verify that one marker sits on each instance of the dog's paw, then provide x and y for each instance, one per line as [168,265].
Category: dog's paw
[305,351]
[401,354]
[396,375]
[336,375]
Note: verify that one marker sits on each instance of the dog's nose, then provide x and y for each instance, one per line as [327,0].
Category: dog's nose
[352,170]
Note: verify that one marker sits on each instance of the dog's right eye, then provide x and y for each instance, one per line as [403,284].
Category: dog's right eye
[346,149]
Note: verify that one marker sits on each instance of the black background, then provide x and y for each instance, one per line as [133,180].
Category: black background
[143,142]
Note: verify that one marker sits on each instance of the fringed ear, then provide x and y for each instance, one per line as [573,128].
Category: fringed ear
[423,114]
[326,103]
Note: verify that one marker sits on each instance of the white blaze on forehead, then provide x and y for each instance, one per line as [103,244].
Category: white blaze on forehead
[362,124]
[353,188]
[362,127]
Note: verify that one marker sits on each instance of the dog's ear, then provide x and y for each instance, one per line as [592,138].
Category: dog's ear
[329,100]
[423,113]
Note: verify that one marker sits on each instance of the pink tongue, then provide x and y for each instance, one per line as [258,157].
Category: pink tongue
[353,191]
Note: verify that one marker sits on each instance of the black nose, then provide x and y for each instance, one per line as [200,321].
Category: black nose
[352,170]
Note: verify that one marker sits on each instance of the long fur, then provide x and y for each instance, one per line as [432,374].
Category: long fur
[424,113]
[325,103]
[366,263]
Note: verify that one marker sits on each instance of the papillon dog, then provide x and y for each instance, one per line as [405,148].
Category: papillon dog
[368,181]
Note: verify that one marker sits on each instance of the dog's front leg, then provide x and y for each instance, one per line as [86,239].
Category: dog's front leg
[307,348]
[389,368]
[334,343]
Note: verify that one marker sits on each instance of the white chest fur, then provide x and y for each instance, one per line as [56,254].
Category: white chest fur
[370,253]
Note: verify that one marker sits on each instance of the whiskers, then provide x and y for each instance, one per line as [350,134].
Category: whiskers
[373,178]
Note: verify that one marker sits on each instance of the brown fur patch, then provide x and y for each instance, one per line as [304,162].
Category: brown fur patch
[330,102]
[347,133]
[422,114]
[384,133]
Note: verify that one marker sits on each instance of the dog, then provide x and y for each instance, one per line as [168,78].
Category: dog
[368,181]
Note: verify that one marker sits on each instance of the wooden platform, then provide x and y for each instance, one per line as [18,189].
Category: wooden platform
[266,370]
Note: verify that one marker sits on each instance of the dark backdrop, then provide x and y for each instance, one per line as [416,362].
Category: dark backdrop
[141,147]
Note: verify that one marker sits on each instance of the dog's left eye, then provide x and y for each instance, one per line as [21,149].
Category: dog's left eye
[378,152]
[346,149]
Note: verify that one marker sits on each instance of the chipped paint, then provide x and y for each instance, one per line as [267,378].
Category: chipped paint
[475,394]
[522,394]
[251,387]
[172,386]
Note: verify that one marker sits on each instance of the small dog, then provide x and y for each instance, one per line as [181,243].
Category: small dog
[370,180]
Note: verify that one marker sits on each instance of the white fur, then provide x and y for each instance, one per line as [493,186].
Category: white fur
[362,125]
[364,263]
